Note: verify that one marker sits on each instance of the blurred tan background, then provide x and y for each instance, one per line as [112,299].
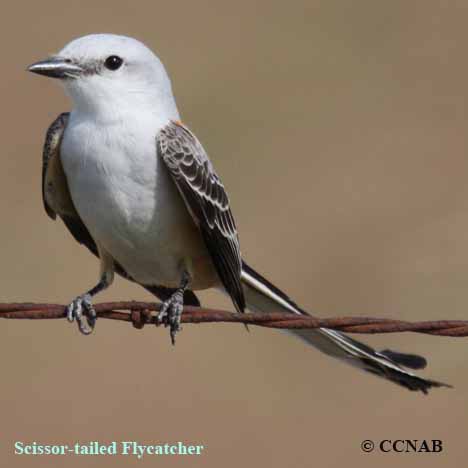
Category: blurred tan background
[340,131]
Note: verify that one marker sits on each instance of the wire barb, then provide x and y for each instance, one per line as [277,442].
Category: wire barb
[140,313]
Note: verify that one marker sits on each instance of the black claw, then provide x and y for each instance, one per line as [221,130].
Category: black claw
[85,329]
[170,314]
[83,311]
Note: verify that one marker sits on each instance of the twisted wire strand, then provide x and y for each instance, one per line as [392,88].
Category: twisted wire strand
[141,313]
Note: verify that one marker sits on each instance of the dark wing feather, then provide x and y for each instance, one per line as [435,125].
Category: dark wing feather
[53,197]
[207,202]
[55,193]
[57,201]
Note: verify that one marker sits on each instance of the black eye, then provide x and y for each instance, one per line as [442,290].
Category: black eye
[113,62]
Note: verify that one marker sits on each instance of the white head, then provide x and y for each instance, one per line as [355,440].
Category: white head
[107,73]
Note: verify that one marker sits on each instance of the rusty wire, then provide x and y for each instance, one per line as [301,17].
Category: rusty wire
[141,313]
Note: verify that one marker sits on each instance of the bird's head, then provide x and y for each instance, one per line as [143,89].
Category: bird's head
[106,72]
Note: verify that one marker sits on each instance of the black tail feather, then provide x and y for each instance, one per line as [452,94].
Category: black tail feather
[411,361]
[263,296]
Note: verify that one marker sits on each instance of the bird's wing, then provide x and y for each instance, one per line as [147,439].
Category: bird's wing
[57,201]
[207,202]
[55,192]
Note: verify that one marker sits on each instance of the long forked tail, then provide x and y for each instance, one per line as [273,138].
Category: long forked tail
[262,296]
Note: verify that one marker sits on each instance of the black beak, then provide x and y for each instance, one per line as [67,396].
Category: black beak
[56,67]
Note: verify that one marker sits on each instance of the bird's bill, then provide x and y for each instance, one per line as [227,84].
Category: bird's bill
[56,67]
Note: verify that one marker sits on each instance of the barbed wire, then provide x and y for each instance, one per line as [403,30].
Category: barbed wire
[141,313]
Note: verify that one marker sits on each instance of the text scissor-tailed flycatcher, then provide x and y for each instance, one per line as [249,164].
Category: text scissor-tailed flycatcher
[135,186]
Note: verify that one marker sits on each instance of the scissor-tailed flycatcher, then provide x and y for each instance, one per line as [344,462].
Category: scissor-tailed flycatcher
[135,186]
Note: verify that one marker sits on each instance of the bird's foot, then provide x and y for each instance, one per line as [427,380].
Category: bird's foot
[81,309]
[171,313]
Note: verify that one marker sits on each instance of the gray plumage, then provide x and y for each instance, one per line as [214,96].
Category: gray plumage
[135,186]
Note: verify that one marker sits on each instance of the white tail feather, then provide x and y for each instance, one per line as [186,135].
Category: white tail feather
[262,296]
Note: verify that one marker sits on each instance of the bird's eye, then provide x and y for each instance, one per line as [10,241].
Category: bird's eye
[113,62]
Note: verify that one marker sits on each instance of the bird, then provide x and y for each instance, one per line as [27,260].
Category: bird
[134,185]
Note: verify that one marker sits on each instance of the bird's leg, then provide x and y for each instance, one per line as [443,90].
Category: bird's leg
[171,309]
[81,307]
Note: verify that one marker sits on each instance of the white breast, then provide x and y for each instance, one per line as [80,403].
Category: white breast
[128,201]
